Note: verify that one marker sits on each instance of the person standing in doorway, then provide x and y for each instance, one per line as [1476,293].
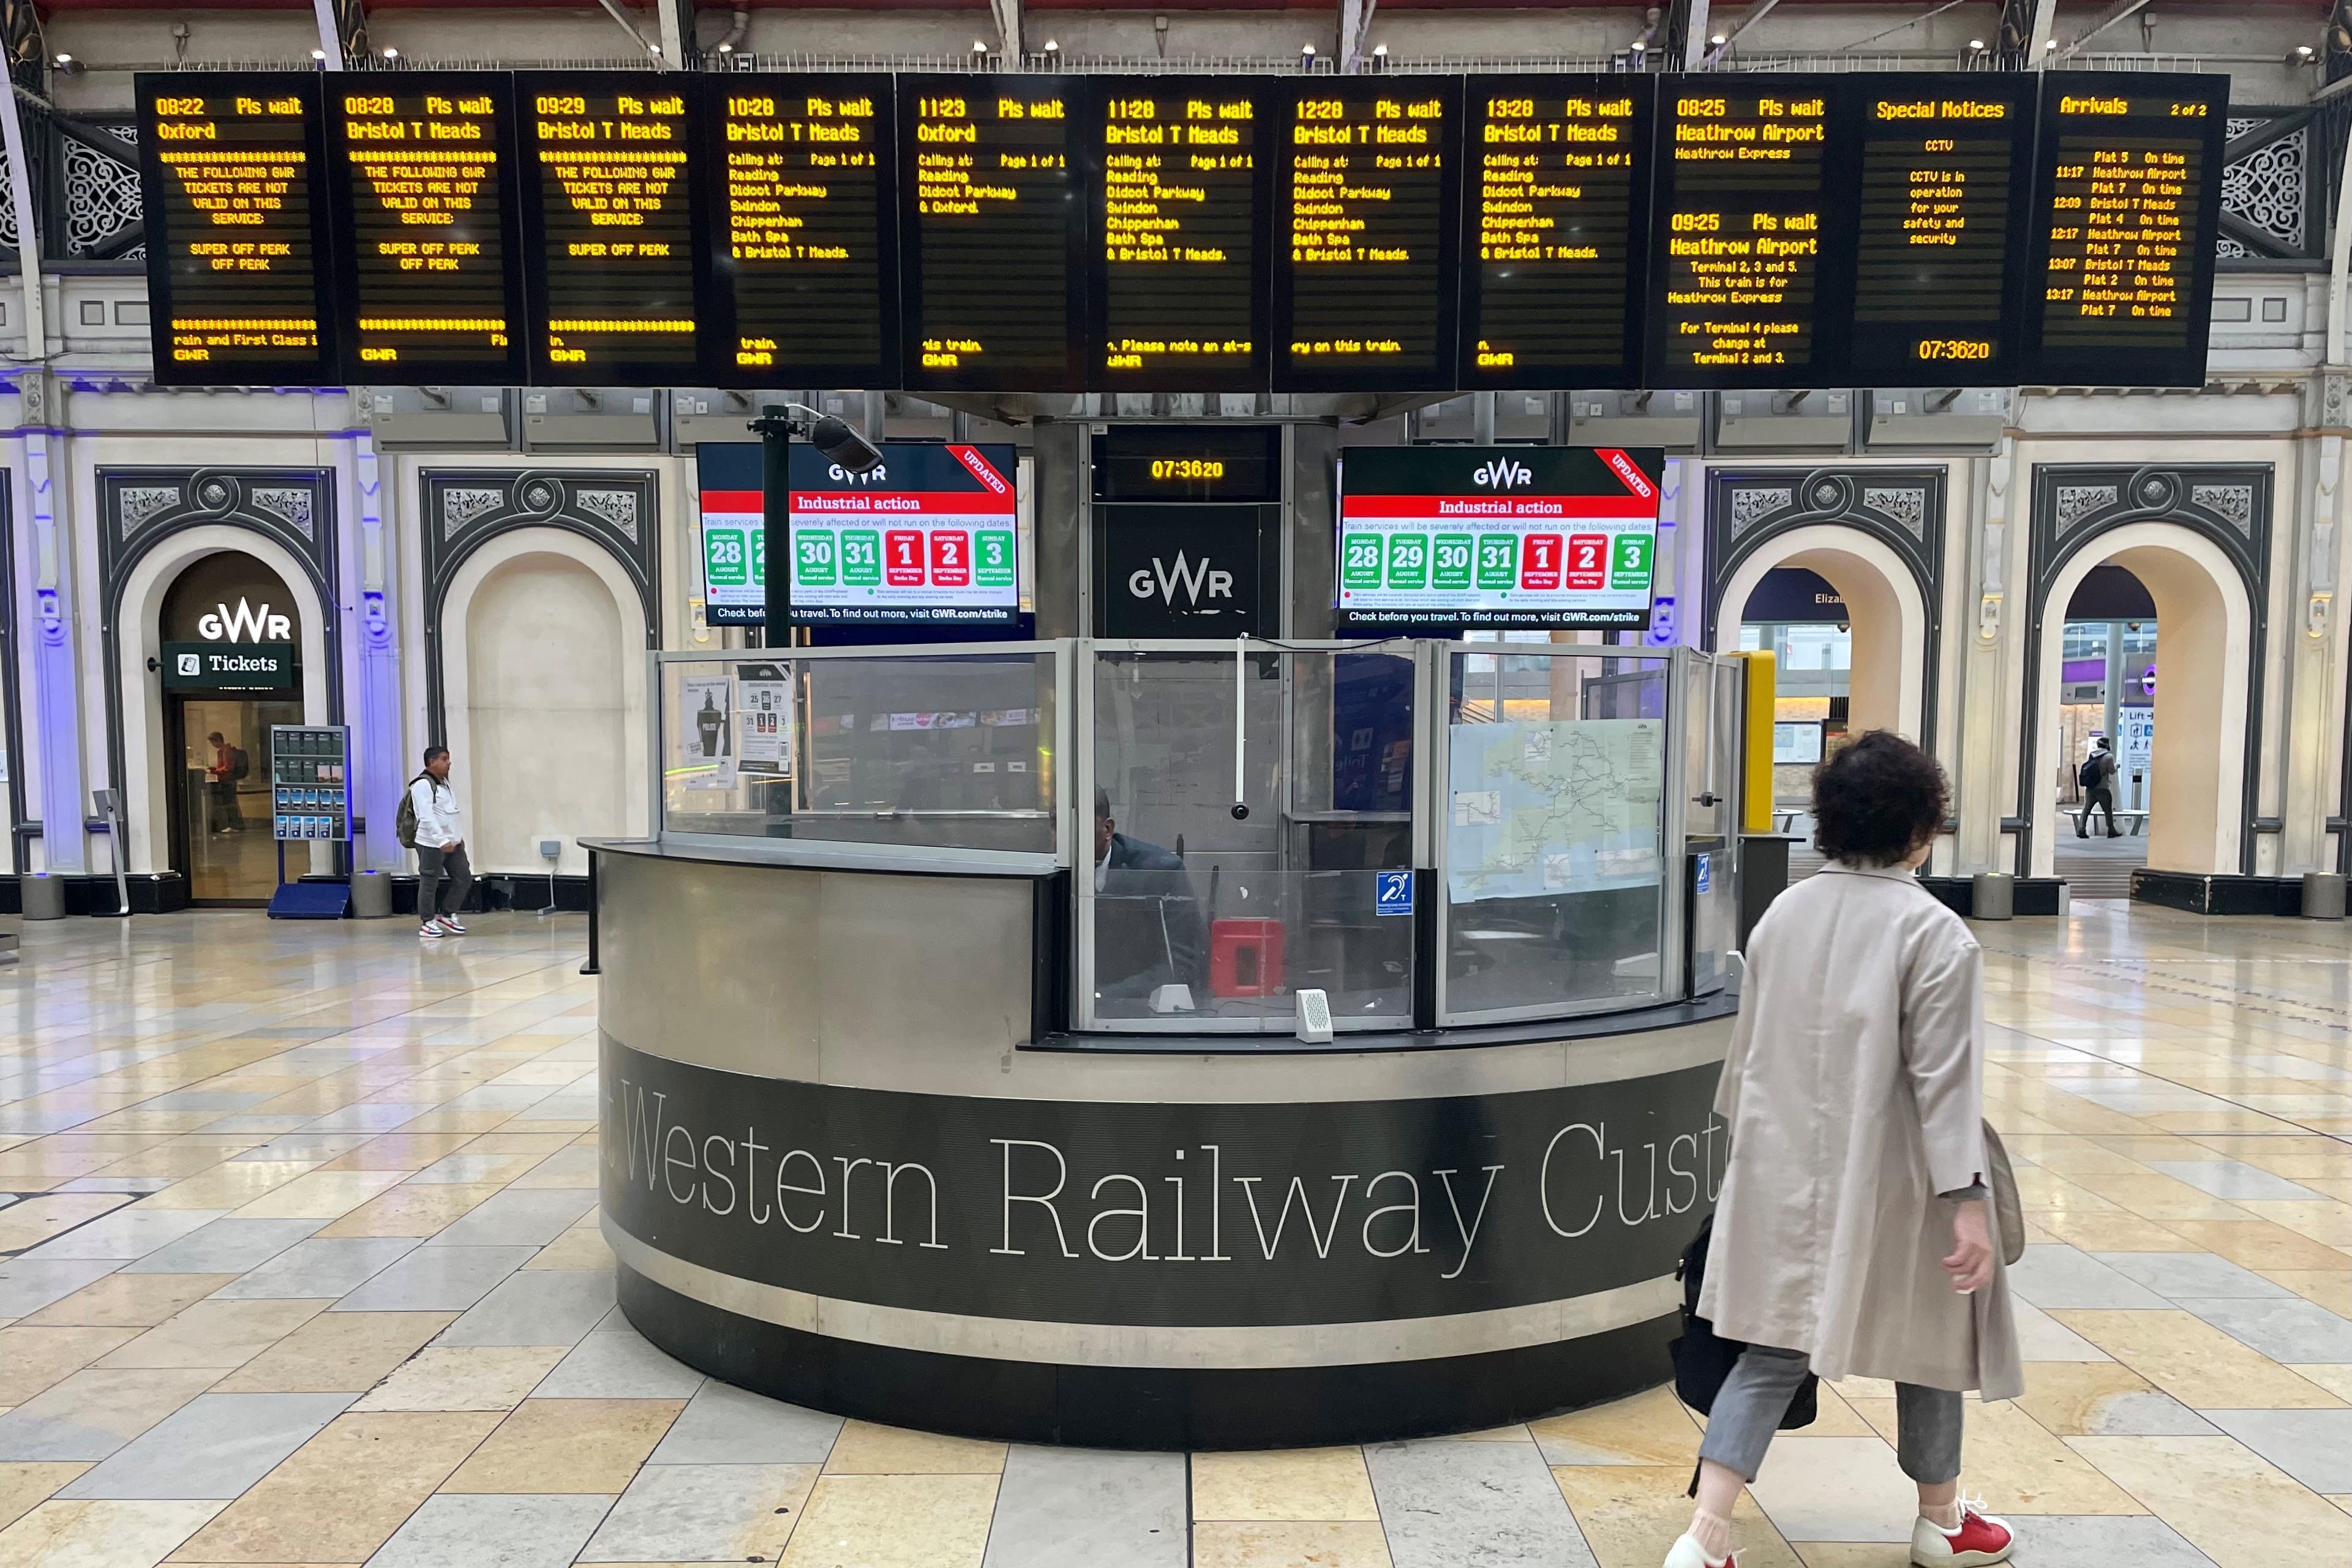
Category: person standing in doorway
[1853,1237]
[222,771]
[2098,781]
[440,848]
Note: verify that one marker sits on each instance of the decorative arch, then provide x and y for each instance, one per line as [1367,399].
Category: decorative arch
[284,516]
[466,509]
[1887,519]
[2215,520]
[134,637]
[1894,629]
[512,547]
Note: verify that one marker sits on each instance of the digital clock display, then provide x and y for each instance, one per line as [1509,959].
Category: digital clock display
[1188,463]
[238,235]
[1941,235]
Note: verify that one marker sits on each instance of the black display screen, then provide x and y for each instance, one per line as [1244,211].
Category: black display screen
[610,232]
[1188,463]
[2124,210]
[1940,240]
[1555,229]
[1366,233]
[238,241]
[801,188]
[992,276]
[1178,177]
[1743,227]
[429,280]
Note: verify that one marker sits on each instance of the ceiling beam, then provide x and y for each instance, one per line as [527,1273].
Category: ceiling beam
[2121,10]
[1756,12]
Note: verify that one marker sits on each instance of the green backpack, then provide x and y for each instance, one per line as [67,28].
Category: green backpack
[404,825]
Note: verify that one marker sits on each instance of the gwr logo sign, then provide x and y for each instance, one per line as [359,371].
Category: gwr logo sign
[245,624]
[1502,473]
[1191,576]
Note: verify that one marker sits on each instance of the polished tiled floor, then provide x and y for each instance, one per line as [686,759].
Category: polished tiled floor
[298,1266]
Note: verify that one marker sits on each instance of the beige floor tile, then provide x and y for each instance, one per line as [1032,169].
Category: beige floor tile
[23,1171]
[36,1219]
[2258,1244]
[898,1522]
[101,1535]
[866,1449]
[220,1336]
[467,1121]
[539,1145]
[1288,1483]
[1853,1555]
[1631,1514]
[2067,1397]
[341,1494]
[2337,1380]
[582,1247]
[337,1353]
[230,1186]
[1650,1428]
[127,1300]
[2329,1222]
[1289,1544]
[32,1359]
[567,1445]
[2158,1197]
[2018,1467]
[2196,1363]
[399,1152]
[321,1195]
[470,1377]
[2116,1231]
[422,1209]
[26,1484]
[2226,1501]
[2331,1288]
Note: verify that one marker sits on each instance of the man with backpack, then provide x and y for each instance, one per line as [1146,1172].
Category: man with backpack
[228,765]
[2097,777]
[428,824]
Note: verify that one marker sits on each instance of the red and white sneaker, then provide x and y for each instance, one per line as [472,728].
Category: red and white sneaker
[1686,1552]
[1981,1539]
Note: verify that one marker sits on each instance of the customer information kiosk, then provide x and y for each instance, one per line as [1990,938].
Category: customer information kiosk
[952,1050]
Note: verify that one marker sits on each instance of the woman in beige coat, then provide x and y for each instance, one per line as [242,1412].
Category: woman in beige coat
[1852,1238]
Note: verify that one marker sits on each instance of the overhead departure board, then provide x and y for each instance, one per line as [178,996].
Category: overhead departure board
[609,229]
[428,284]
[1178,178]
[236,228]
[1741,221]
[1366,233]
[799,186]
[1941,226]
[1555,220]
[991,275]
[2124,213]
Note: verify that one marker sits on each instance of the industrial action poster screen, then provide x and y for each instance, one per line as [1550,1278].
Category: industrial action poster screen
[734,533]
[929,537]
[1444,537]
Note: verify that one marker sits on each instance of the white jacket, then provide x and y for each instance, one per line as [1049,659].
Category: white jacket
[436,814]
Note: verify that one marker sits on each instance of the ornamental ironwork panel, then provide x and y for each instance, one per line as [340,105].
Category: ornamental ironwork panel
[2274,184]
[465,508]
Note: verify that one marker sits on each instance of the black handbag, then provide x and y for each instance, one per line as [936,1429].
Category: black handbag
[1703,1358]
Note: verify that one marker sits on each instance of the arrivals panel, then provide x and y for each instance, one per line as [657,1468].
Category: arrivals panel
[1232,234]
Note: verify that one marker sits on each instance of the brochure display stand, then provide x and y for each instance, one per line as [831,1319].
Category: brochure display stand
[310,801]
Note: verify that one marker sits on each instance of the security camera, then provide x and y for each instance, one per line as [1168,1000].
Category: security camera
[841,444]
[1241,811]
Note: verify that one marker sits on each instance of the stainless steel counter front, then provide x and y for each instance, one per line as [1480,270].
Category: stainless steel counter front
[835,1170]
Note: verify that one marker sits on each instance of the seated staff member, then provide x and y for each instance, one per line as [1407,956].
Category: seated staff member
[1148,926]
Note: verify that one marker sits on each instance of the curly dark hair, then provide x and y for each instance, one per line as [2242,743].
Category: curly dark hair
[1876,800]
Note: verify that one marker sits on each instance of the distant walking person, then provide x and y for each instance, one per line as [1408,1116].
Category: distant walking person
[438,838]
[2098,781]
[223,773]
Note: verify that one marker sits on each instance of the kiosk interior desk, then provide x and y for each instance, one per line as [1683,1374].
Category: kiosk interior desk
[958,1085]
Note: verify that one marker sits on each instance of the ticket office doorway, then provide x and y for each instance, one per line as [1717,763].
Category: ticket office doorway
[217,721]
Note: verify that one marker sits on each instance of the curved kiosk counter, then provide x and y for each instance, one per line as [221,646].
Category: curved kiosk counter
[959,1051]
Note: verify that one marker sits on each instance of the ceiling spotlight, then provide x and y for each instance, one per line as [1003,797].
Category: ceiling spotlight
[1307,50]
[318,54]
[2050,43]
[390,53]
[1639,46]
[1976,44]
[1052,48]
[1719,40]
[978,47]
[1380,50]
[67,59]
[2304,50]
[725,48]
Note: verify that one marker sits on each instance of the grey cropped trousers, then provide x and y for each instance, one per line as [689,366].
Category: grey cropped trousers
[1749,1408]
